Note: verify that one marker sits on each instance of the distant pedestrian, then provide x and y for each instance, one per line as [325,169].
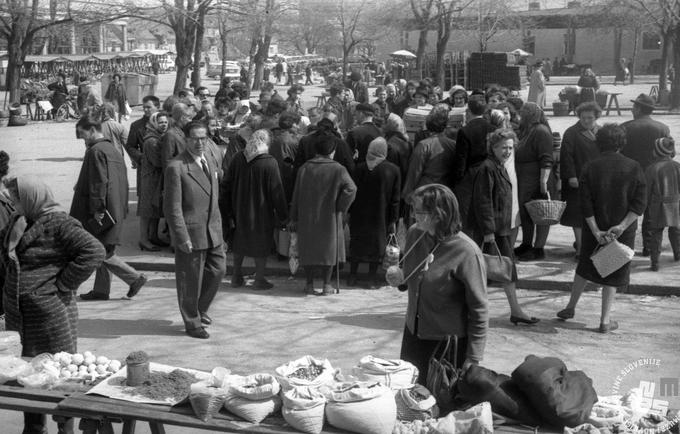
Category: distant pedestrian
[116,94]
[308,75]
[537,86]
[102,191]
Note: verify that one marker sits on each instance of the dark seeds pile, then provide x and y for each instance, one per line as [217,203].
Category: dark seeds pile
[161,386]
[307,373]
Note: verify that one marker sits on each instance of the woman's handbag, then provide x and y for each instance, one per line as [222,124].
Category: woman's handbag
[545,212]
[442,374]
[498,268]
[611,257]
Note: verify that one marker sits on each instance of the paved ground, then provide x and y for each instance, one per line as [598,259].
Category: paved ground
[256,331]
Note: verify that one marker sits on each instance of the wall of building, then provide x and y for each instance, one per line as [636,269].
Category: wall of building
[593,46]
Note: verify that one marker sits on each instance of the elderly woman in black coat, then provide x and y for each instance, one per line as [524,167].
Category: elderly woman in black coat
[492,211]
[578,148]
[45,255]
[613,196]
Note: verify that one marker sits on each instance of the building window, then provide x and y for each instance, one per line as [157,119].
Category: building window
[650,41]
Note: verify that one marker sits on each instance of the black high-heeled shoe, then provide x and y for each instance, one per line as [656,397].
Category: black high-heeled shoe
[148,247]
[516,319]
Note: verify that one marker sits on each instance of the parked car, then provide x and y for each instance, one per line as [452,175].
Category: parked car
[233,70]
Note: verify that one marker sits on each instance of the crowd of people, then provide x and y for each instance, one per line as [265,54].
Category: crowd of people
[229,175]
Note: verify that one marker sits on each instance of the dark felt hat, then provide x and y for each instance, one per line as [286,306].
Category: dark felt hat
[644,100]
[355,76]
[324,145]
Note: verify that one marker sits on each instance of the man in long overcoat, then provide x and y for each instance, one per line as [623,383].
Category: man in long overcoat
[252,194]
[190,204]
[323,193]
[102,187]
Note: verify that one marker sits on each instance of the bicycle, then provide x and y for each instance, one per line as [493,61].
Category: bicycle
[68,110]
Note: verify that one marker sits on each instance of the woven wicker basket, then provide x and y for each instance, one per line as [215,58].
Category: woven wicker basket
[545,212]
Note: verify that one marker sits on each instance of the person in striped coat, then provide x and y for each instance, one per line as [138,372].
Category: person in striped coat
[45,255]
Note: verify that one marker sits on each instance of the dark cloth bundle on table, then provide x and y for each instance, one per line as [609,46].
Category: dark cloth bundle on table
[559,396]
[480,384]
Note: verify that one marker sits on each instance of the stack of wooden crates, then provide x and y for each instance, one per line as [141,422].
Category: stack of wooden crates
[499,68]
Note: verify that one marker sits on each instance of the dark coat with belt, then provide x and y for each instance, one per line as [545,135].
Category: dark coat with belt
[399,152]
[190,203]
[375,207]
[102,185]
[54,256]
[323,192]
[663,193]
[640,136]
[450,297]
[252,194]
[578,148]
[360,137]
[492,204]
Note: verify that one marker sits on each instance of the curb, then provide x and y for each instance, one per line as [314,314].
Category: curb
[531,284]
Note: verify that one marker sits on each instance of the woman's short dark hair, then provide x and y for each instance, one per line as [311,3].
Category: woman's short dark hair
[611,137]
[500,95]
[115,74]
[500,135]
[437,121]
[295,89]
[461,92]
[337,89]
[440,202]
[477,106]
[89,121]
[169,103]
[589,106]
[288,119]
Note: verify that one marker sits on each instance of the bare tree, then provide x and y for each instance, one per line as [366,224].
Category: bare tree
[424,18]
[306,30]
[447,11]
[492,17]
[22,20]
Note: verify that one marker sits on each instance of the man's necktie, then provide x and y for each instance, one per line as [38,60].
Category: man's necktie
[204,164]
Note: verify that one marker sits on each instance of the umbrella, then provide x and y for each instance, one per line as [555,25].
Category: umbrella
[403,53]
[520,52]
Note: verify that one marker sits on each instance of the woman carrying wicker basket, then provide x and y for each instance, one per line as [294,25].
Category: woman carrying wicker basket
[533,162]
[613,196]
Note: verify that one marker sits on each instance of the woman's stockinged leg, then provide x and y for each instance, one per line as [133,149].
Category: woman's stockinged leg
[608,296]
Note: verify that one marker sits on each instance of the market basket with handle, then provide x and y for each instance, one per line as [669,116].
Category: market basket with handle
[545,212]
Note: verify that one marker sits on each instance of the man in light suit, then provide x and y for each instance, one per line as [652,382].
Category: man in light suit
[191,210]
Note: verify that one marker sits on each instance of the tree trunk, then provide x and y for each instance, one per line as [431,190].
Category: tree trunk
[15,59]
[617,47]
[260,58]
[675,85]
[636,37]
[420,53]
[198,49]
[663,72]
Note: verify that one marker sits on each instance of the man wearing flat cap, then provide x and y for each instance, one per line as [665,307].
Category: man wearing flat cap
[362,135]
[641,133]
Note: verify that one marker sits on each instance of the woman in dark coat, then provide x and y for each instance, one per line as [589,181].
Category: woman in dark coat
[252,196]
[284,148]
[323,193]
[613,196]
[446,280]
[398,146]
[149,207]
[45,255]
[578,148]
[375,211]
[116,94]
[533,161]
[492,211]
[589,85]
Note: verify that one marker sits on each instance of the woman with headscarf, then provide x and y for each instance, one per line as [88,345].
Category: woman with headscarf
[588,84]
[253,199]
[323,193]
[149,207]
[45,255]
[533,162]
[375,211]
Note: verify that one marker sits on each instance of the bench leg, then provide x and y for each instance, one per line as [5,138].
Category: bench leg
[618,109]
[156,428]
[129,426]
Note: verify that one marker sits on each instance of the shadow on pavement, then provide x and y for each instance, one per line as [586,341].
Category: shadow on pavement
[378,321]
[115,328]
